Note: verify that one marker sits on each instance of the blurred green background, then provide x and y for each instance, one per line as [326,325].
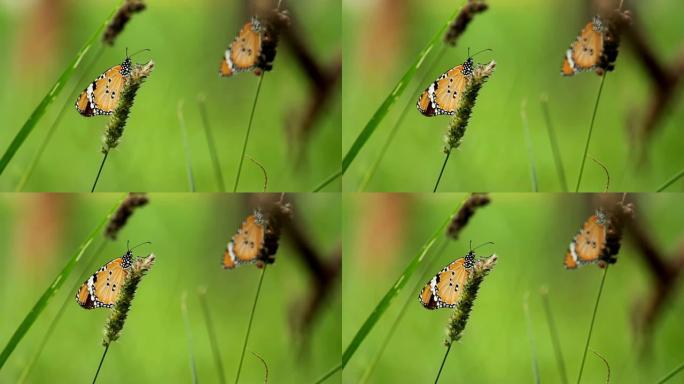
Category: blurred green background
[187,40]
[382,232]
[528,40]
[188,234]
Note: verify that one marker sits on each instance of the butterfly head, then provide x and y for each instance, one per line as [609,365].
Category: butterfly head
[601,216]
[128,256]
[256,24]
[259,217]
[597,24]
[469,65]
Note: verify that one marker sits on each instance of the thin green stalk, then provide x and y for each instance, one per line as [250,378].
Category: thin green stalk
[530,336]
[68,103]
[327,181]
[409,103]
[530,149]
[672,180]
[591,128]
[441,171]
[188,333]
[249,128]
[99,171]
[329,374]
[555,341]
[210,143]
[38,113]
[212,336]
[671,374]
[591,326]
[43,301]
[87,270]
[101,361]
[439,373]
[384,108]
[186,147]
[554,144]
[410,298]
[386,300]
[249,324]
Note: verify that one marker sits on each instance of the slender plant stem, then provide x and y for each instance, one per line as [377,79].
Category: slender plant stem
[555,150]
[672,180]
[249,128]
[411,298]
[441,171]
[410,102]
[443,361]
[212,336]
[188,334]
[53,324]
[329,374]
[211,144]
[99,171]
[530,336]
[591,326]
[555,341]
[327,181]
[101,361]
[249,325]
[528,141]
[68,103]
[186,147]
[591,128]
[671,374]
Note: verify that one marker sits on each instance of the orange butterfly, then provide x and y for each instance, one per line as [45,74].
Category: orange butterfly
[243,53]
[102,288]
[248,243]
[443,95]
[444,290]
[585,52]
[589,243]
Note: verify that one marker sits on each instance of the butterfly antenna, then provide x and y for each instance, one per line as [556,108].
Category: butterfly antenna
[477,53]
[135,53]
[144,242]
[488,242]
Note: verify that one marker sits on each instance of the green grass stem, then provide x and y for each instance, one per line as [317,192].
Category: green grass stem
[97,373]
[555,340]
[555,150]
[591,128]
[446,354]
[441,171]
[202,294]
[591,325]
[327,181]
[672,374]
[99,171]
[671,181]
[201,102]
[530,146]
[530,337]
[249,324]
[188,335]
[249,129]
[186,147]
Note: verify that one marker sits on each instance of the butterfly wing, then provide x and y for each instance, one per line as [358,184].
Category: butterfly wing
[445,289]
[246,48]
[585,52]
[102,95]
[424,104]
[588,244]
[102,288]
[444,94]
[246,245]
[226,68]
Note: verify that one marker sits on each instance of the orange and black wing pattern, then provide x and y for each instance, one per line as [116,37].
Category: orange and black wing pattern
[102,95]
[585,52]
[442,97]
[101,290]
[243,53]
[589,243]
[248,242]
[445,289]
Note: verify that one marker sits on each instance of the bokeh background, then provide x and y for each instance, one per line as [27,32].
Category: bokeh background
[39,232]
[531,232]
[296,129]
[528,38]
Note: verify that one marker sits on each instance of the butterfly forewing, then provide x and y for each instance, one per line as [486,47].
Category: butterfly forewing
[246,244]
[585,52]
[102,288]
[445,289]
[102,95]
[448,90]
[588,245]
[246,48]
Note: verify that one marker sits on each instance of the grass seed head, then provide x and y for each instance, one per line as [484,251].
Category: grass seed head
[459,25]
[124,212]
[122,17]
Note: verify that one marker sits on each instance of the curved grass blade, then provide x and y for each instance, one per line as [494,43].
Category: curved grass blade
[381,112]
[394,291]
[327,181]
[28,126]
[52,289]
[671,181]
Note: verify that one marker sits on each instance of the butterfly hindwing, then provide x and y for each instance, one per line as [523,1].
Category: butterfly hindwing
[102,95]
[247,243]
[243,53]
[585,52]
[589,243]
[444,94]
[444,290]
[102,288]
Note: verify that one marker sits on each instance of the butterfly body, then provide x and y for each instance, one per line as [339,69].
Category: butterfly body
[102,95]
[585,52]
[247,244]
[101,290]
[443,95]
[444,290]
[589,244]
[243,53]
